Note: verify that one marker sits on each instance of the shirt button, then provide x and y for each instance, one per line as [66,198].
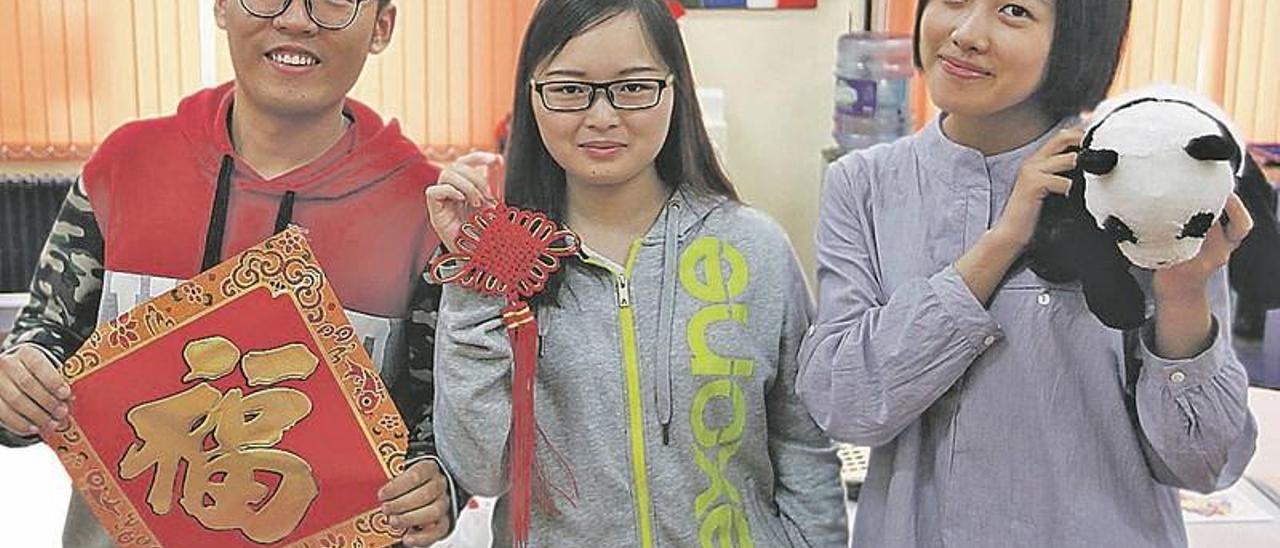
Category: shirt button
[1044,299]
[1177,377]
[990,340]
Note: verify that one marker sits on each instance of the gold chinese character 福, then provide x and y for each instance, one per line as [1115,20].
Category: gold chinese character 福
[235,478]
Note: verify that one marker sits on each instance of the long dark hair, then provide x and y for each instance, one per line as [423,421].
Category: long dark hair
[534,180]
[686,161]
[1088,36]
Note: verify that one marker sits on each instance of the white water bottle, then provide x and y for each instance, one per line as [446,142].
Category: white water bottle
[873,89]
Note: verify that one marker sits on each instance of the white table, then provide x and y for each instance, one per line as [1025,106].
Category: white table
[1265,467]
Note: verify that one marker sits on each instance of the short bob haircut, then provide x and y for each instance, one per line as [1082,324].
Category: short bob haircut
[1087,39]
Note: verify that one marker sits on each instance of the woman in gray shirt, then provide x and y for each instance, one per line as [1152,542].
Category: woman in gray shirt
[1001,412]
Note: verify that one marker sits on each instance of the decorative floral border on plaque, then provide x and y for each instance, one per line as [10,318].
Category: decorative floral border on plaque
[284,264]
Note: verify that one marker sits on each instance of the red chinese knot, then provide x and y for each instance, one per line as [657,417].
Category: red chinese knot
[506,251]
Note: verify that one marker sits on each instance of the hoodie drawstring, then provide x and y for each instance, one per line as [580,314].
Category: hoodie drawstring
[284,215]
[218,217]
[666,315]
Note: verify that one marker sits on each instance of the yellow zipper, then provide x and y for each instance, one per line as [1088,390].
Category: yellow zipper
[635,410]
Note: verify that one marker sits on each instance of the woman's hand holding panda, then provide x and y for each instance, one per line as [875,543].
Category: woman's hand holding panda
[1184,323]
[1038,178]
[985,264]
[1191,276]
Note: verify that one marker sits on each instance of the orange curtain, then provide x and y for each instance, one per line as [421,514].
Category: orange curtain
[1228,50]
[449,75]
[71,71]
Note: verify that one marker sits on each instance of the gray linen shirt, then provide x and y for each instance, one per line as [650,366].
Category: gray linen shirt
[1023,423]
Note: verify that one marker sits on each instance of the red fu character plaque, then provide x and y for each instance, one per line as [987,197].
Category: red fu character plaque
[235,410]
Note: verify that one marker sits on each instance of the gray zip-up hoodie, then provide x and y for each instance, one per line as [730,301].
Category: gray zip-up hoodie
[666,384]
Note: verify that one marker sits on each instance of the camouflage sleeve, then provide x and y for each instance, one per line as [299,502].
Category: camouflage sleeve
[67,285]
[414,391]
[62,309]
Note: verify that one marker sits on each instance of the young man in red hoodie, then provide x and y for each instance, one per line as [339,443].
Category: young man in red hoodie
[162,200]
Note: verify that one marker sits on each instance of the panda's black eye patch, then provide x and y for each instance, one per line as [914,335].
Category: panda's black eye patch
[1097,161]
[1210,148]
[1197,227]
[1119,231]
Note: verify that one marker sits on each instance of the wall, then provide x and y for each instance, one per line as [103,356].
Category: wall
[776,70]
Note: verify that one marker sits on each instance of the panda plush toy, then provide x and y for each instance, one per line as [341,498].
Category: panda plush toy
[1154,172]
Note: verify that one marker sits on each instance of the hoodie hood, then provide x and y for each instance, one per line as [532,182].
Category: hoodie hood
[172,198]
[380,150]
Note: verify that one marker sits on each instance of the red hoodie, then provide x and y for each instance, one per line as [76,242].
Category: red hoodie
[152,186]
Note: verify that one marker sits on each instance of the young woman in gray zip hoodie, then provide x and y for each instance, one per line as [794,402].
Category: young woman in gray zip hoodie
[666,379]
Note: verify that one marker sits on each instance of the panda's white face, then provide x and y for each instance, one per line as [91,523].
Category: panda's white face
[1158,201]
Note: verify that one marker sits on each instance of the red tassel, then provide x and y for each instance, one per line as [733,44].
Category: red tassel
[522,328]
[513,252]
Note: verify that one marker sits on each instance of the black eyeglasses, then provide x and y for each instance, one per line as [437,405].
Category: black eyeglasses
[326,14]
[625,94]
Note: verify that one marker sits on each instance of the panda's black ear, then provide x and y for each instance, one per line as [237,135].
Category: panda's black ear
[1097,161]
[1210,147]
